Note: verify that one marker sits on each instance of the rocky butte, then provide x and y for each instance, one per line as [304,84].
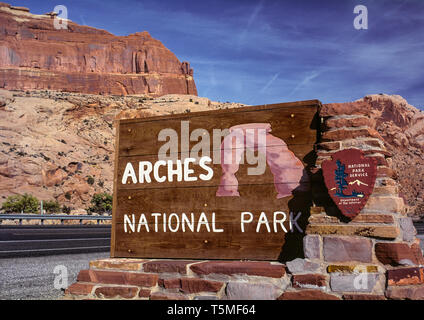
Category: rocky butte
[35,55]
[60,145]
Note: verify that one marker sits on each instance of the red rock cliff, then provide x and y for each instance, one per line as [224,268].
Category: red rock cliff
[35,55]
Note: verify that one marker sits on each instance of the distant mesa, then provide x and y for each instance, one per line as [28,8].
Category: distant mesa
[36,56]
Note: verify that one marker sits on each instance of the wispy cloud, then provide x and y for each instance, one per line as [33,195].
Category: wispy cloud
[305,81]
[269,83]
[250,21]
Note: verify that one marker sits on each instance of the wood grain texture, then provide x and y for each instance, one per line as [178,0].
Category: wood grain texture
[137,140]
[141,138]
[115,191]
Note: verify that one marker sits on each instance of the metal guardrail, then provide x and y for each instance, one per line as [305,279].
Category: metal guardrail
[43,217]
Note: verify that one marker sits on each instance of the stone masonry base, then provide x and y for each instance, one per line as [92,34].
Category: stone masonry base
[300,279]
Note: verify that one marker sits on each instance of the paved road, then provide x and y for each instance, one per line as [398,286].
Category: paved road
[30,278]
[49,240]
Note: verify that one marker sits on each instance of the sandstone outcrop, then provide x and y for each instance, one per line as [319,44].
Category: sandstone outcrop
[35,55]
[59,145]
[51,143]
[401,126]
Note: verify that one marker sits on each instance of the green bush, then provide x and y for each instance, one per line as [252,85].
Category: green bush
[21,203]
[51,206]
[101,203]
[66,209]
[90,180]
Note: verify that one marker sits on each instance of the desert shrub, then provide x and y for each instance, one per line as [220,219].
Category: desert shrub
[66,209]
[90,180]
[101,203]
[21,203]
[51,206]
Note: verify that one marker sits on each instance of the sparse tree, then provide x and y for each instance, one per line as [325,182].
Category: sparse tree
[101,203]
[21,203]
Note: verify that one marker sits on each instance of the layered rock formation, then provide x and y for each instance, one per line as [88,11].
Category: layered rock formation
[51,143]
[402,127]
[35,55]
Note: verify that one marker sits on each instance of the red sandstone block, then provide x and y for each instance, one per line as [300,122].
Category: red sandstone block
[346,108]
[405,292]
[396,254]
[343,134]
[365,143]
[79,288]
[373,218]
[199,285]
[363,297]
[341,249]
[381,160]
[385,190]
[112,277]
[141,279]
[167,296]
[83,276]
[405,276]
[144,293]
[170,283]
[385,204]
[385,153]
[166,266]
[383,171]
[115,292]
[305,280]
[307,295]
[329,146]
[120,264]
[264,269]
[350,122]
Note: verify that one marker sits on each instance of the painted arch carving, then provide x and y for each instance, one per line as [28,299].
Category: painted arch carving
[288,171]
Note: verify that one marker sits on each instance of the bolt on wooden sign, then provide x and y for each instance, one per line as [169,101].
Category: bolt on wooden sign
[226,184]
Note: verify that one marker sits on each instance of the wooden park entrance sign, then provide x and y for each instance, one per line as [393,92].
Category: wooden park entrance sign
[227,184]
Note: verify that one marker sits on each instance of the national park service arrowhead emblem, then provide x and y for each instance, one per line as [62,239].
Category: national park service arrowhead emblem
[350,179]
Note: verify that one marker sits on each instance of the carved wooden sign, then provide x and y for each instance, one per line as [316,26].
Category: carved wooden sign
[226,184]
[350,179]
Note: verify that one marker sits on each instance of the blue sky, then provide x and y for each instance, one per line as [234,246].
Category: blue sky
[270,51]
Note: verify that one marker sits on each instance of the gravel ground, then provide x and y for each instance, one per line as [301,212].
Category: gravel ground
[32,278]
